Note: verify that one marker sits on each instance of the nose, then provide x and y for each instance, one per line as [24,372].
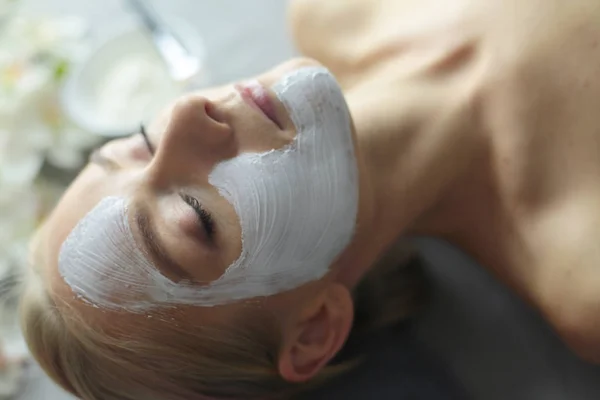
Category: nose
[196,137]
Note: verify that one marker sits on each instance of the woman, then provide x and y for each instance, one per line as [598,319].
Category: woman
[218,255]
[206,245]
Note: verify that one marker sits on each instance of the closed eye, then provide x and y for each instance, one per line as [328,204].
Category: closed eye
[205,219]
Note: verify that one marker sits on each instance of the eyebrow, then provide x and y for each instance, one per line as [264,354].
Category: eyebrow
[155,247]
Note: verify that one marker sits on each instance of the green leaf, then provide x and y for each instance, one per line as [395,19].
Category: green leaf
[60,70]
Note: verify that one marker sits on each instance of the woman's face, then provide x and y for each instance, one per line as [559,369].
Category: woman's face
[189,230]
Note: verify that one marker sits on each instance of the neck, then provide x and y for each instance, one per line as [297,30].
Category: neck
[414,148]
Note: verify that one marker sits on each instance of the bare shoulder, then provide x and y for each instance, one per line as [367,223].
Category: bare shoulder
[538,90]
[562,243]
[545,128]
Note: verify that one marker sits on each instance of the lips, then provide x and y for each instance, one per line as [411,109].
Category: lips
[258,96]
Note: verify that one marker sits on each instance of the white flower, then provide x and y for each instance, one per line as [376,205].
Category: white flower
[19,216]
[23,138]
[35,54]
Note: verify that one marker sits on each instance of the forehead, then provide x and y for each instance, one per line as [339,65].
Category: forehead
[45,254]
[90,186]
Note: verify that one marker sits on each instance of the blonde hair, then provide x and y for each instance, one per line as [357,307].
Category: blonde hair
[175,362]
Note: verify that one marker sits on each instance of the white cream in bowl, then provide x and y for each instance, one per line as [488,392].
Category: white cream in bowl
[123,82]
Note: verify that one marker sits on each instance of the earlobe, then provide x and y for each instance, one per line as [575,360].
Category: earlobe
[318,335]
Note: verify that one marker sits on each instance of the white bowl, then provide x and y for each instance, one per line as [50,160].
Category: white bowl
[79,95]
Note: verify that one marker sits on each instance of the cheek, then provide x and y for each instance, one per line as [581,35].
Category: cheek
[231,230]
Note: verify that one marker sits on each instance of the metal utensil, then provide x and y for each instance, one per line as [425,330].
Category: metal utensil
[183,66]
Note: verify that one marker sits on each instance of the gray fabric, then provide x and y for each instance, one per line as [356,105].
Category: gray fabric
[497,346]
[395,367]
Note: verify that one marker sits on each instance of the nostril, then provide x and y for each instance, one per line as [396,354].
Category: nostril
[220,122]
[212,112]
[208,108]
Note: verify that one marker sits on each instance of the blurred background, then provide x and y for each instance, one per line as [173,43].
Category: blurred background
[55,56]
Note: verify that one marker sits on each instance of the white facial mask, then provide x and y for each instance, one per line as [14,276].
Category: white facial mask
[297,208]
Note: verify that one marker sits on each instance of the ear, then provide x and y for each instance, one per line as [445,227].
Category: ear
[320,332]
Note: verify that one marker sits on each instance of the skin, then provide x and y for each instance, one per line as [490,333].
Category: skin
[190,138]
[465,129]
[495,104]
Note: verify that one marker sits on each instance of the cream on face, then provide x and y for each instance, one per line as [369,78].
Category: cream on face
[297,209]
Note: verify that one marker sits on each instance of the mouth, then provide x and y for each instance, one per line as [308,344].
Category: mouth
[257,96]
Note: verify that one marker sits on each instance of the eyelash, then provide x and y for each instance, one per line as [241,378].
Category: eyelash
[204,216]
[146,139]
